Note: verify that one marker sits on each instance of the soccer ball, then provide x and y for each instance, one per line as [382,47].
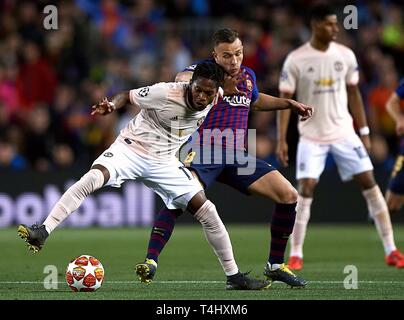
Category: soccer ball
[84,273]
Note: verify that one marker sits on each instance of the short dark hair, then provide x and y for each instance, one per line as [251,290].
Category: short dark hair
[225,35]
[209,70]
[319,12]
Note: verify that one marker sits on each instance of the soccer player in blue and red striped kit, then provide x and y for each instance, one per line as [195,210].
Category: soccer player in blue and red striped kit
[395,191]
[217,152]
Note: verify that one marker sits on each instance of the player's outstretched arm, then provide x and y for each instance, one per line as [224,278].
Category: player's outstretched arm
[266,102]
[106,106]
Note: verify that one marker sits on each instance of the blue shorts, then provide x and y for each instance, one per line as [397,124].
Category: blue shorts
[236,169]
[396,183]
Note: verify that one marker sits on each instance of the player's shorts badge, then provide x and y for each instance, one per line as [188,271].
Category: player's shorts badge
[249,84]
[108,154]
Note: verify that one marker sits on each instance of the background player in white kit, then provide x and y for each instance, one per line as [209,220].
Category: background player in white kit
[324,74]
[145,151]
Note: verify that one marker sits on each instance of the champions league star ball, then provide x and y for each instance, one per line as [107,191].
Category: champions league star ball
[85,273]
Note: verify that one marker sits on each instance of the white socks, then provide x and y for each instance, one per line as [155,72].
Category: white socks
[274,266]
[299,230]
[380,213]
[217,236]
[377,210]
[73,197]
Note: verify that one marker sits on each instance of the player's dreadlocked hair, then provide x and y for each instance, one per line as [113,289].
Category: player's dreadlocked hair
[319,12]
[225,35]
[209,70]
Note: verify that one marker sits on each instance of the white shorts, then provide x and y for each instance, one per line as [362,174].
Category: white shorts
[169,179]
[350,155]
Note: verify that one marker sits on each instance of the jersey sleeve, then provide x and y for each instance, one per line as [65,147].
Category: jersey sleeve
[400,89]
[289,76]
[151,97]
[352,75]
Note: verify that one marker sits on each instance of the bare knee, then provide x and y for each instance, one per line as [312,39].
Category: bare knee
[196,202]
[288,196]
[306,187]
[366,180]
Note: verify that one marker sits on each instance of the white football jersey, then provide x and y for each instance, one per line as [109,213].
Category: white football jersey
[165,121]
[319,79]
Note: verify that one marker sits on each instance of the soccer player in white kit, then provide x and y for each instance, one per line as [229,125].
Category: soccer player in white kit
[324,74]
[145,151]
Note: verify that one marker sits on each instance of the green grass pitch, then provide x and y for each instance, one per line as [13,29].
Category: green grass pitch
[189,270]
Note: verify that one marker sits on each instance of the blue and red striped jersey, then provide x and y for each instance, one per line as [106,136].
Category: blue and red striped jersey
[400,89]
[227,121]
[400,92]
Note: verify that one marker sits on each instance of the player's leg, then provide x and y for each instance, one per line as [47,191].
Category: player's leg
[162,229]
[353,162]
[266,181]
[310,162]
[164,224]
[395,191]
[165,220]
[379,212]
[180,190]
[70,201]
[276,187]
[216,234]
[112,167]
[306,189]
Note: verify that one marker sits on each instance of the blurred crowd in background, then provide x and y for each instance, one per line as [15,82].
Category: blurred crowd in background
[49,79]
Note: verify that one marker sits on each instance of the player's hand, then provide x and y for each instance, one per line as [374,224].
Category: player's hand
[394,201]
[282,153]
[231,82]
[366,142]
[304,111]
[103,107]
